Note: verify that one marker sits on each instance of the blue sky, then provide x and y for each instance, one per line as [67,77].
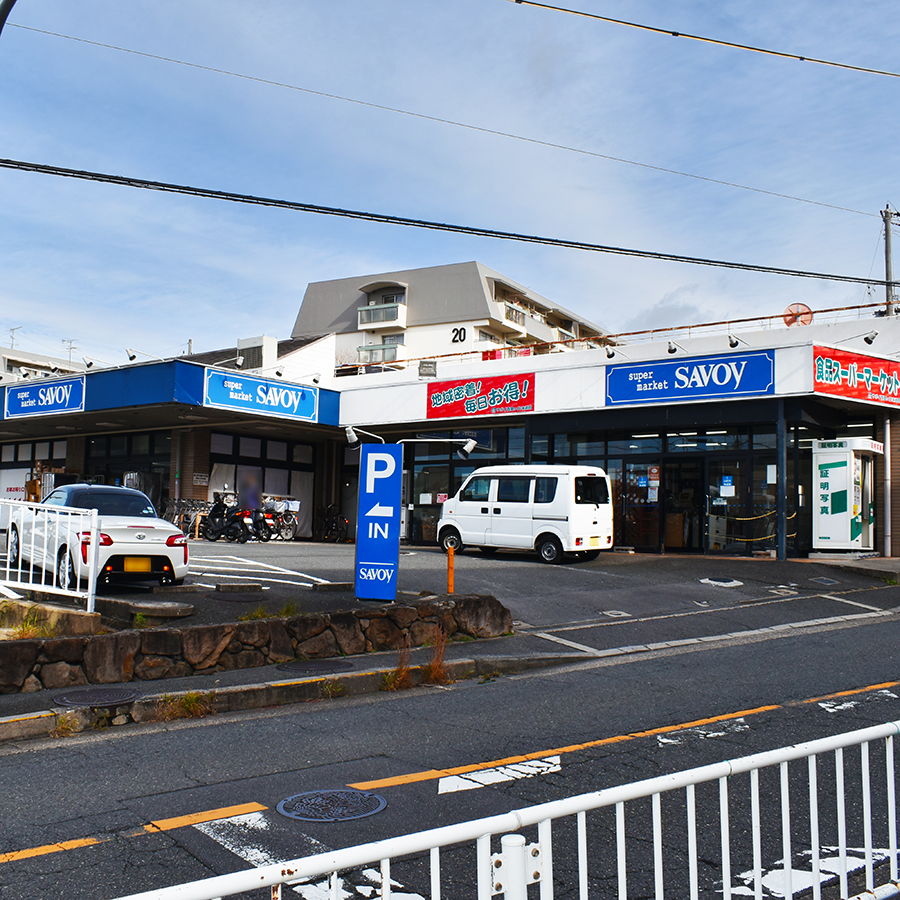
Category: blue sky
[112,267]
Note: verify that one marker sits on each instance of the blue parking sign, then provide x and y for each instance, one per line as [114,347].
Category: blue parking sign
[378,521]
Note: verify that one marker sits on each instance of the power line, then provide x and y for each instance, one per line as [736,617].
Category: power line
[709,40]
[387,219]
[442,121]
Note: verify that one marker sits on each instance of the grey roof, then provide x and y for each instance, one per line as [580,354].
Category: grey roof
[437,294]
[225,358]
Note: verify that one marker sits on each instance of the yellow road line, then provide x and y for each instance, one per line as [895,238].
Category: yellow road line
[433,774]
[209,815]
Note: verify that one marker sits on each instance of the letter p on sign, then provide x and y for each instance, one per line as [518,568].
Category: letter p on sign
[378,465]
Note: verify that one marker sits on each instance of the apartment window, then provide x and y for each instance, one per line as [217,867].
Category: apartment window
[393,338]
[393,298]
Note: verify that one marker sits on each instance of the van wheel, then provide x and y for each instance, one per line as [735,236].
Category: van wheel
[590,554]
[550,550]
[450,538]
[488,551]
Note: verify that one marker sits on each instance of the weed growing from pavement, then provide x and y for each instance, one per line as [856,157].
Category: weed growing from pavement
[33,626]
[192,705]
[331,688]
[435,670]
[488,677]
[140,620]
[400,679]
[66,726]
[259,613]
[287,611]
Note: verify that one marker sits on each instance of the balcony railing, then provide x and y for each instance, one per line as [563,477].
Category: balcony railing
[382,315]
[516,316]
[381,353]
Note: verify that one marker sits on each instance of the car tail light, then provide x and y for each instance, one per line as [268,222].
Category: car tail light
[85,537]
[579,542]
[179,540]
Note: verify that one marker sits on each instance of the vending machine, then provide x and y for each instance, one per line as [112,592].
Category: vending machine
[844,494]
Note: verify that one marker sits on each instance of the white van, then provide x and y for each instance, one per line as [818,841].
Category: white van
[551,509]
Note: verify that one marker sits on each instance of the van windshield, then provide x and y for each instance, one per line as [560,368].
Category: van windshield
[591,489]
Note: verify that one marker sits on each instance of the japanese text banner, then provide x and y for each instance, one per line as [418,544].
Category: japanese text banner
[481,396]
[843,373]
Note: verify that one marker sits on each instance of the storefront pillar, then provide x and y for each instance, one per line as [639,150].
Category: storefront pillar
[781,484]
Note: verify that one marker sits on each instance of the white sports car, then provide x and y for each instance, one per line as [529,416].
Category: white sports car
[134,543]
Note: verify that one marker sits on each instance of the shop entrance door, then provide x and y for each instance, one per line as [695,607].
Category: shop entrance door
[684,505]
[640,505]
[730,522]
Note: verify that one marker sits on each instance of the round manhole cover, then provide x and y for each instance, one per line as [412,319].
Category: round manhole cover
[97,697]
[314,666]
[331,806]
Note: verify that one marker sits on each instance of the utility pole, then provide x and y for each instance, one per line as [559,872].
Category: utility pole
[888,216]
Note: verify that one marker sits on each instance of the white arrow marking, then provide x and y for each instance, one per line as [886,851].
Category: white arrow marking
[379,510]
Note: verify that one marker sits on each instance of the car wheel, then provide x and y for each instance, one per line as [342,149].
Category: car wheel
[450,538]
[488,551]
[590,554]
[65,571]
[12,548]
[550,550]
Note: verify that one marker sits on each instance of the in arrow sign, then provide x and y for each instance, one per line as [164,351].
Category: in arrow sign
[379,510]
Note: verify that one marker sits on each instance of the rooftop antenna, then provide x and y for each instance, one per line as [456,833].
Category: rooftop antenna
[70,346]
[12,337]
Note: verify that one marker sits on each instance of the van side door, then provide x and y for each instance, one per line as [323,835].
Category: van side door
[511,519]
[471,510]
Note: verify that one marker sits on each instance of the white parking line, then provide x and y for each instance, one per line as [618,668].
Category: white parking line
[254,577]
[210,563]
[558,640]
[851,602]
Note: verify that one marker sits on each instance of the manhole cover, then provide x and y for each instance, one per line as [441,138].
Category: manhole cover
[331,806]
[97,697]
[314,666]
[721,582]
[823,580]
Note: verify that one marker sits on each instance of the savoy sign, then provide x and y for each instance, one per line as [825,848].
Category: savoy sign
[234,390]
[699,378]
[41,399]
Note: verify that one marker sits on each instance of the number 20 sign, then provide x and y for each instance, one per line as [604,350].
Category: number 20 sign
[378,521]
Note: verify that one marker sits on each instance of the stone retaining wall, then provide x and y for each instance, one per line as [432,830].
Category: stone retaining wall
[149,654]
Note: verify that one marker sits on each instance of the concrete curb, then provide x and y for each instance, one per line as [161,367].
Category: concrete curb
[237,698]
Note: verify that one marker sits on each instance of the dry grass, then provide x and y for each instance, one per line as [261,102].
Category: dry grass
[435,671]
[192,705]
[401,678]
[66,726]
[331,688]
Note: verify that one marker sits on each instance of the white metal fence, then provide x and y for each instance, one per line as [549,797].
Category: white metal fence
[740,827]
[53,549]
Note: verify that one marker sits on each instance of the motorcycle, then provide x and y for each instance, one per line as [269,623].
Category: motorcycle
[245,524]
[216,519]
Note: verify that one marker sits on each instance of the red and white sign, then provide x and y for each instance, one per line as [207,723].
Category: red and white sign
[481,396]
[843,373]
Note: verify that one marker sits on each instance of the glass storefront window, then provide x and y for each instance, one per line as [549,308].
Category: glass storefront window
[118,445]
[577,445]
[140,445]
[540,447]
[637,443]
[700,442]
[765,439]
[516,440]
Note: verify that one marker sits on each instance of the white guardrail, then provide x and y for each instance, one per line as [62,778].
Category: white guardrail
[52,549]
[711,838]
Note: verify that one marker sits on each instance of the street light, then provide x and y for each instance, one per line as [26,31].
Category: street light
[133,355]
[354,441]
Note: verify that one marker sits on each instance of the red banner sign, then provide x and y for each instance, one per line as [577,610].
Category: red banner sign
[843,373]
[481,396]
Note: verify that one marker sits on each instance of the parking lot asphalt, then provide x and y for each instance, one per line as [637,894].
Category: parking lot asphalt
[616,605]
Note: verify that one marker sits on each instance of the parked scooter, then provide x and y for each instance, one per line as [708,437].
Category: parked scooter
[245,524]
[216,519]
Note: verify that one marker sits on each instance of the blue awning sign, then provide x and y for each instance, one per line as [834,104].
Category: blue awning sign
[248,393]
[699,378]
[44,398]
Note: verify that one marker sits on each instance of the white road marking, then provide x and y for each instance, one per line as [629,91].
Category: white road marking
[773,881]
[558,640]
[9,594]
[254,577]
[474,780]
[850,602]
[250,563]
[246,837]
[834,706]
[703,732]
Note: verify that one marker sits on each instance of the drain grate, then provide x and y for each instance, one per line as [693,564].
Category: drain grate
[824,580]
[98,697]
[314,666]
[331,806]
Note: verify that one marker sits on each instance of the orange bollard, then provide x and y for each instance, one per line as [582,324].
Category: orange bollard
[450,555]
